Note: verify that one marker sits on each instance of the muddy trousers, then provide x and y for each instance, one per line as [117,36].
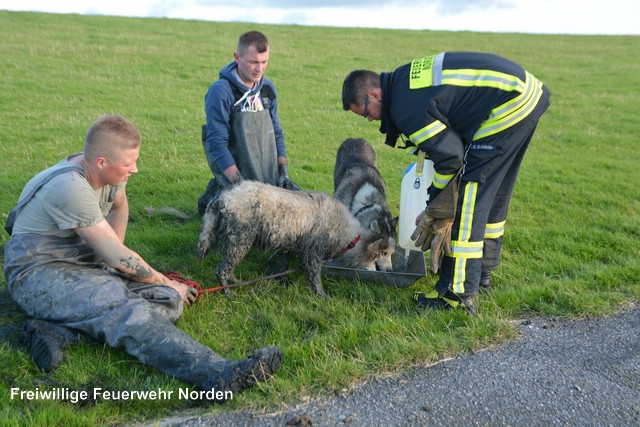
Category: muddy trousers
[134,317]
[485,192]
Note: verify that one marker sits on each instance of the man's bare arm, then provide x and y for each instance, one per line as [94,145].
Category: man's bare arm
[118,218]
[104,240]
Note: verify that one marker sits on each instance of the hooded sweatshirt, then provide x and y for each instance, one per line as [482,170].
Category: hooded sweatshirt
[219,103]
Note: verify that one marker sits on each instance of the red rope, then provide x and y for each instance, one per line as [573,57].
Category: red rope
[173,275]
[179,278]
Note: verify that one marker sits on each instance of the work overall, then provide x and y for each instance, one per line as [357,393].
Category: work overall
[59,280]
[252,144]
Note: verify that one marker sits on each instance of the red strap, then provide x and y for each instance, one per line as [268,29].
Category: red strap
[192,283]
[350,245]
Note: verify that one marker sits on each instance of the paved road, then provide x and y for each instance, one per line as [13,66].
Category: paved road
[561,373]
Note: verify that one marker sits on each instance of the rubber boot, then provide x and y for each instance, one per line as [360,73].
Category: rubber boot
[434,301]
[485,281]
[211,192]
[237,375]
[46,341]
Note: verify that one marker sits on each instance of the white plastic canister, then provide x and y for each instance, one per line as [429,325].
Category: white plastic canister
[413,198]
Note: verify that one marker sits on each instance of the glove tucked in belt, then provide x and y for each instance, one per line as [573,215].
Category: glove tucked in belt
[433,228]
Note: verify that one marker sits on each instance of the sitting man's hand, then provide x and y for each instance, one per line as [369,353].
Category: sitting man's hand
[188,294]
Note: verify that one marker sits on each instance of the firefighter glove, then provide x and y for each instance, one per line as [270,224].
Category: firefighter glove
[434,234]
[433,228]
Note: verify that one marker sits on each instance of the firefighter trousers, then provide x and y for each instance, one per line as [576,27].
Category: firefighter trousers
[487,182]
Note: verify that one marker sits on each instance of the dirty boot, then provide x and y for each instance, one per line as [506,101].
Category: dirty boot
[46,341]
[212,191]
[434,301]
[237,375]
[467,302]
[485,281]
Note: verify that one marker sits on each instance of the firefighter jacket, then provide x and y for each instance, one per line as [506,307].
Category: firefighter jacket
[444,102]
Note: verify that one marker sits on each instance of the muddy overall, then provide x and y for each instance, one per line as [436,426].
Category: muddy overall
[58,280]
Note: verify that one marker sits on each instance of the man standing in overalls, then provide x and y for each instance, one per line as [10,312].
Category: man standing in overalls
[242,138]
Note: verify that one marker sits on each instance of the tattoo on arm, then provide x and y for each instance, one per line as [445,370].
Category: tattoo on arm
[133,268]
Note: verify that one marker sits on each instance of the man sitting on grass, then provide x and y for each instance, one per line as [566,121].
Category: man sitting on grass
[67,267]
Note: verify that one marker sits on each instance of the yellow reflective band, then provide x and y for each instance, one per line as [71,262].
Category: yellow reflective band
[513,111]
[440,180]
[495,230]
[421,75]
[459,275]
[433,294]
[482,78]
[451,302]
[466,249]
[429,294]
[467,210]
[427,132]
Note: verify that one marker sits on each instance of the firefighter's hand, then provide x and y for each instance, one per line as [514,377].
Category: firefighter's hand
[433,234]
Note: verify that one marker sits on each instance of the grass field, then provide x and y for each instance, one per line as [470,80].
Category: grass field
[572,243]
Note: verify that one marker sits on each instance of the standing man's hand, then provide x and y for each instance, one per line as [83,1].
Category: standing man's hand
[284,181]
[233,175]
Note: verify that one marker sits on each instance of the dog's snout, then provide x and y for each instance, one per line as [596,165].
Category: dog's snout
[383,267]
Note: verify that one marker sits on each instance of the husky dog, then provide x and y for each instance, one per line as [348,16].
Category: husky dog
[360,187]
[311,226]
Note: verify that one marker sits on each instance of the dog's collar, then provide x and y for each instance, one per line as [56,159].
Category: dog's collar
[362,209]
[350,245]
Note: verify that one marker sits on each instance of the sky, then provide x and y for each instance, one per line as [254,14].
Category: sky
[605,17]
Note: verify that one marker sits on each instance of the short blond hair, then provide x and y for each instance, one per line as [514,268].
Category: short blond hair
[109,136]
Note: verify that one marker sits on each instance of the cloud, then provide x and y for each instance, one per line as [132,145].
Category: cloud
[443,6]
[452,7]
[520,16]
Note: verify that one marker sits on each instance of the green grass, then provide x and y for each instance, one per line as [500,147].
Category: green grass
[571,248]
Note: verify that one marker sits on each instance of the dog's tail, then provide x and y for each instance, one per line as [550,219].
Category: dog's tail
[209,229]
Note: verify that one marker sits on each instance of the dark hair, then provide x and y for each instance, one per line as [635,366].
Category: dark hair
[252,38]
[356,85]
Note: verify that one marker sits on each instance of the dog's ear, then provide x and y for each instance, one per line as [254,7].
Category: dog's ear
[367,235]
[394,222]
[374,226]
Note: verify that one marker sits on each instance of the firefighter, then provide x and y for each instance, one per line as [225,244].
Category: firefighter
[473,114]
